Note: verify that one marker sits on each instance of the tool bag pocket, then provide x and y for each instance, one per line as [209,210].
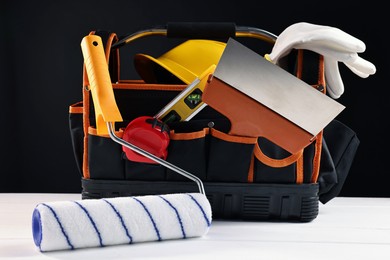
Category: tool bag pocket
[188,151]
[229,157]
[77,133]
[339,148]
[272,164]
[104,157]
[143,171]
[266,172]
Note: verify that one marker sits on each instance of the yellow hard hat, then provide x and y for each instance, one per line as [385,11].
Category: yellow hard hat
[183,63]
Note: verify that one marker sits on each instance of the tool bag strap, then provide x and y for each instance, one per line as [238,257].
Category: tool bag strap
[311,69]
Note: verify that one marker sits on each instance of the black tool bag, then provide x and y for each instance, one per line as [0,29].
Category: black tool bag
[245,178]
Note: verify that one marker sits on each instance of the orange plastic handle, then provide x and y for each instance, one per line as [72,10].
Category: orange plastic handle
[106,109]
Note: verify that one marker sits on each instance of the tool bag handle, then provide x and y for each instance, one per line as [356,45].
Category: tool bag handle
[188,30]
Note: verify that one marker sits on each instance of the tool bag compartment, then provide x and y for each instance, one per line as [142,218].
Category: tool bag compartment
[244,177]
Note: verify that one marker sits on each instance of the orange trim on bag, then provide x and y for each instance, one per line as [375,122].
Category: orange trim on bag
[317,158]
[107,50]
[188,136]
[131,81]
[321,74]
[276,163]
[113,37]
[76,108]
[251,171]
[319,137]
[299,163]
[143,86]
[233,138]
[299,170]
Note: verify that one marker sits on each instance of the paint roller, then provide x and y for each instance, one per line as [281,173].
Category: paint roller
[67,225]
[64,225]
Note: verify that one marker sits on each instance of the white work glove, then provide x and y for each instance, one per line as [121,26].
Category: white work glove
[333,44]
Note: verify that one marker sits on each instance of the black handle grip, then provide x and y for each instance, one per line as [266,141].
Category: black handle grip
[201,30]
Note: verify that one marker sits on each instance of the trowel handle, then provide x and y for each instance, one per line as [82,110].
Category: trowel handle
[106,109]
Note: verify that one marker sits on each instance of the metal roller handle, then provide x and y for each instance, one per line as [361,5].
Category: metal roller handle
[155,158]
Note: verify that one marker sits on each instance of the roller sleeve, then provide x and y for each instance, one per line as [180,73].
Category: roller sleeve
[65,225]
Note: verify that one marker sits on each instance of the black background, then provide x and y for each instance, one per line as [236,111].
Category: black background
[41,75]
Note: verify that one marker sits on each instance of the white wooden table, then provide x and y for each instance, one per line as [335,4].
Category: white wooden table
[345,228]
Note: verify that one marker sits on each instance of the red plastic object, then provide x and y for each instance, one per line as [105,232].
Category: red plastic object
[149,134]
